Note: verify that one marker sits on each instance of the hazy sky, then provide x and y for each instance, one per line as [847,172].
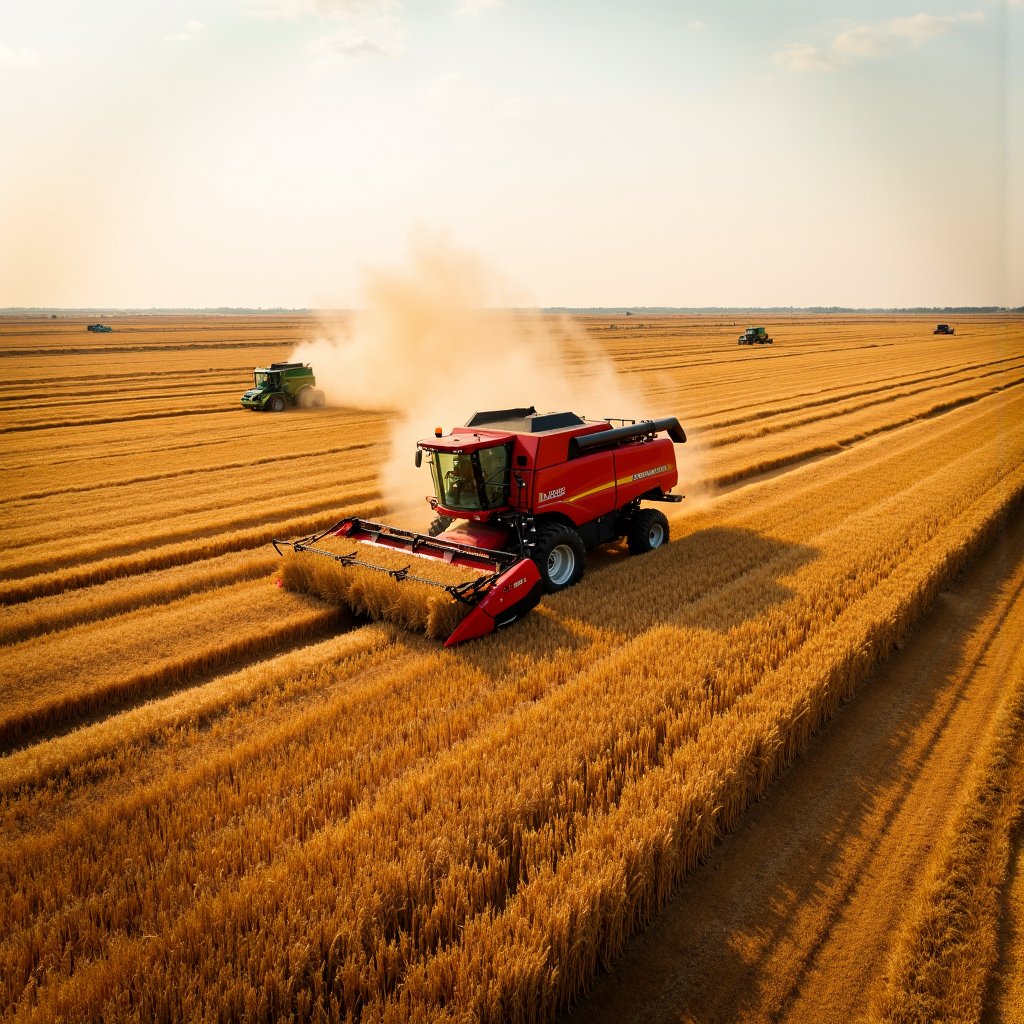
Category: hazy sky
[263,152]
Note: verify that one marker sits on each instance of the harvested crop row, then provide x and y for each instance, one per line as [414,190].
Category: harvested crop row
[825,395]
[76,607]
[492,785]
[107,561]
[947,947]
[227,496]
[172,555]
[900,400]
[51,680]
[171,474]
[104,453]
[710,568]
[955,385]
[38,784]
[753,457]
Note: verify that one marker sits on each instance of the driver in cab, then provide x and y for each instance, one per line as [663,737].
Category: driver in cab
[462,482]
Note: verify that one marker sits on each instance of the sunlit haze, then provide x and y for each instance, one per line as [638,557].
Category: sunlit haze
[267,152]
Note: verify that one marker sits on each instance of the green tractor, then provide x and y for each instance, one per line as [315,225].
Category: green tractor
[99,328]
[282,384]
[754,336]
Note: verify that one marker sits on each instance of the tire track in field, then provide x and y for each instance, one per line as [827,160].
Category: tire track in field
[878,395]
[99,420]
[870,386]
[772,464]
[1004,1003]
[818,415]
[174,473]
[181,553]
[154,349]
[268,518]
[109,664]
[791,918]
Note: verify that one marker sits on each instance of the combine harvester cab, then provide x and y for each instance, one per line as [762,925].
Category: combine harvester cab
[519,498]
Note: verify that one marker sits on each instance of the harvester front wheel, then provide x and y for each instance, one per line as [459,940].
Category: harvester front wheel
[276,404]
[648,529]
[439,525]
[559,554]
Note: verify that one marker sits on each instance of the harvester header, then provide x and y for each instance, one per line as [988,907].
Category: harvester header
[519,497]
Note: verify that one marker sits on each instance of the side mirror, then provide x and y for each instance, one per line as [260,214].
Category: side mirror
[419,457]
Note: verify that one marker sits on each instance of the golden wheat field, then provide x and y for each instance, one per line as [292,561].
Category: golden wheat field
[222,799]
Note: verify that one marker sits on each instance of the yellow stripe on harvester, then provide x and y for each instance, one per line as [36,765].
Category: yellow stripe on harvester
[617,483]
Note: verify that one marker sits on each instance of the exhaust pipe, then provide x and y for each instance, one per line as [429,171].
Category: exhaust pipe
[618,435]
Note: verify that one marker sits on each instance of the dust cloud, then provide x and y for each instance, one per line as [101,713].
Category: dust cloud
[440,339]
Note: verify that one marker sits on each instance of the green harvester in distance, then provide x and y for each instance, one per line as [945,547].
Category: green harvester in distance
[280,385]
[754,336]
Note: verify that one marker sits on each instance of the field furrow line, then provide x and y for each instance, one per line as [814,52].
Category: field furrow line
[98,562]
[90,668]
[172,474]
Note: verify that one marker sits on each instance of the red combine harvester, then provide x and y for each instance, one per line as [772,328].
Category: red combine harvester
[520,496]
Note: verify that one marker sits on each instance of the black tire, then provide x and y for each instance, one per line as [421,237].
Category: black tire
[277,403]
[439,525]
[305,399]
[648,529]
[559,554]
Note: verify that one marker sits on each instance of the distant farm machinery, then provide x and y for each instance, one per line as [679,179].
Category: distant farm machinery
[754,336]
[282,384]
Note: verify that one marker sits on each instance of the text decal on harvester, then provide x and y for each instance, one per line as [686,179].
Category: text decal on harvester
[650,472]
[558,492]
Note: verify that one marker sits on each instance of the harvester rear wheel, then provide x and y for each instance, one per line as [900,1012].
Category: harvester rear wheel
[439,525]
[559,554]
[648,529]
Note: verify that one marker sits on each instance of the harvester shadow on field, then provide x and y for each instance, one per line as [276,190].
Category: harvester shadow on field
[711,579]
[714,579]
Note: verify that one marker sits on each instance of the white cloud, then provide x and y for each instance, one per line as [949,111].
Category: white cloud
[856,43]
[331,10]
[190,31]
[696,26]
[798,57]
[346,45]
[370,28]
[18,57]
[471,8]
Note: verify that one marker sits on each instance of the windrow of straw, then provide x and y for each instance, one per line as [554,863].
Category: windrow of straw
[949,943]
[410,604]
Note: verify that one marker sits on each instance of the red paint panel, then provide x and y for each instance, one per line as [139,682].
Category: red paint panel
[641,467]
[582,489]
